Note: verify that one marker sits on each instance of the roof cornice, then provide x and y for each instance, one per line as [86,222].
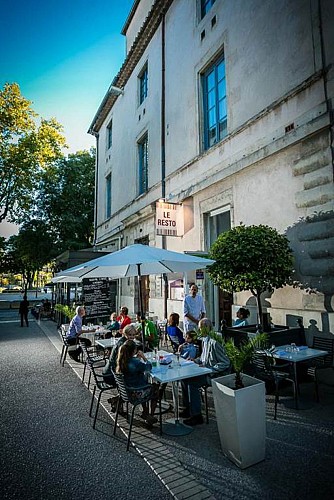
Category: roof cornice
[138,47]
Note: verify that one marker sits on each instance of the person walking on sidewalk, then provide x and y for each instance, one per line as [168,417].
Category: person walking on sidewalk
[24,309]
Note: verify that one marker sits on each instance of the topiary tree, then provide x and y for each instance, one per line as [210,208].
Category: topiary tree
[254,258]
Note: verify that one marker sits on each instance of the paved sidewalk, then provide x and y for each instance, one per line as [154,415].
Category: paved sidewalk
[299,457]
[48,447]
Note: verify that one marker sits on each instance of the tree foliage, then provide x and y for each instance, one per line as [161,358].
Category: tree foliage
[66,200]
[26,149]
[27,252]
[255,258]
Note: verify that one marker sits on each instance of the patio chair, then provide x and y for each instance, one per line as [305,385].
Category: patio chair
[62,332]
[101,386]
[265,369]
[91,357]
[135,397]
[317,364]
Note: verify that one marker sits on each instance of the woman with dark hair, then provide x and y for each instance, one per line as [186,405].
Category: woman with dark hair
[124,318]
[174,332]
[134,366]
[242,316]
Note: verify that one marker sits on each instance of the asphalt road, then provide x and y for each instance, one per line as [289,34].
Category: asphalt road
[48,447]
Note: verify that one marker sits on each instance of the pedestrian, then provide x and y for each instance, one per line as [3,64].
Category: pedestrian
[193,309]
[24,309]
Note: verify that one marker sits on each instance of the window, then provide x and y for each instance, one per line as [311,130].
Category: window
[109,135]
[108,196]
[206,6]
[215,109]
[143,84]
[143,165]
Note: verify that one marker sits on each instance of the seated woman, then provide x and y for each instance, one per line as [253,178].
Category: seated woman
[124,318]
[134,366]
[174,332]
[114,327]
[242,316]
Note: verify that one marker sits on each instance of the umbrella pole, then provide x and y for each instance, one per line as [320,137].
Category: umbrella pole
[142,316]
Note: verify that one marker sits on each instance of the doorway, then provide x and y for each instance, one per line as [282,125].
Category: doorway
[219,302]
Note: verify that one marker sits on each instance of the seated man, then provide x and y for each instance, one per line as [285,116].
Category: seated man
[151,334]
[74,332]
[213,356]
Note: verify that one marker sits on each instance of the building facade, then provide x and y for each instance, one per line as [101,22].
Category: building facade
[223,107]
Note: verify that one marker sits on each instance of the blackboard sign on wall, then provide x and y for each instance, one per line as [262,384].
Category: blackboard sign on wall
[97,300]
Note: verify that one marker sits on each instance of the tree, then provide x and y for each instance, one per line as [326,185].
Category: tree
[66,200]
[255,258]
[26,149]
[29,251]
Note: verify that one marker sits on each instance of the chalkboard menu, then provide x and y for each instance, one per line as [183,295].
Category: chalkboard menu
[96,294]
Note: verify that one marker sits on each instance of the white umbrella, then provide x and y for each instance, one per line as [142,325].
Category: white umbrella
[65,279]
[137,260]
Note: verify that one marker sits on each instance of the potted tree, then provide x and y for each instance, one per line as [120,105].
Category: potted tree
[254,258]
[240,405]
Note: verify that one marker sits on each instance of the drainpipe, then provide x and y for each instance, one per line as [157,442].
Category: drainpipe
[325,79]
[163,141]
[96,188]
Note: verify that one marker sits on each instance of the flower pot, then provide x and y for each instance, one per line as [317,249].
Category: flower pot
[241,419]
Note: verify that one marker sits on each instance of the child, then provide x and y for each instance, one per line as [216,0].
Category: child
[188,350]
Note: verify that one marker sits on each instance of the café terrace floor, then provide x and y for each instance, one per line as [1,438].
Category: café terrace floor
[299,460]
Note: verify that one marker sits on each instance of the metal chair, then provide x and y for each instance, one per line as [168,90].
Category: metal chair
[91,357]
[102,387]
[265,369]
[132,396]
[317,364]
[62,332]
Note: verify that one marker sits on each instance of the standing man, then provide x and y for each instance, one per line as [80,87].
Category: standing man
[193,309]
[24,309]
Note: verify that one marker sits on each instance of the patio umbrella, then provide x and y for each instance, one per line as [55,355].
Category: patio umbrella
[137,260]
[65,279]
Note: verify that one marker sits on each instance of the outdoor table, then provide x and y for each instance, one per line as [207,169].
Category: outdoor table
[107,343]
[295,354]
[174,373]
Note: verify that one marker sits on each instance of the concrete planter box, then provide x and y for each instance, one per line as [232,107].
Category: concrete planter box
[241,419]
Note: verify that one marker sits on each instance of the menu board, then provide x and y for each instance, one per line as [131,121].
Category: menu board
[96,294]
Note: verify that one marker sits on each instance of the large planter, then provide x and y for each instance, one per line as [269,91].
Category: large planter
[241,419]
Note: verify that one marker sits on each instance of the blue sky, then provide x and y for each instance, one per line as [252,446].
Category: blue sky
[64,55]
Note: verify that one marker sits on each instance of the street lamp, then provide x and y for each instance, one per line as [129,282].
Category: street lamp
[115,90]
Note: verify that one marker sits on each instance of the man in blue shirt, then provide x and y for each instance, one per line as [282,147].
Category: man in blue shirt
[74,332]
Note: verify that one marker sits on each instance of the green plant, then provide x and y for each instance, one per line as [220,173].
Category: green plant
[254,258]
[67,311]
[239,356]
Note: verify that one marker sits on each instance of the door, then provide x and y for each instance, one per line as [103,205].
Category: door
[219,302]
